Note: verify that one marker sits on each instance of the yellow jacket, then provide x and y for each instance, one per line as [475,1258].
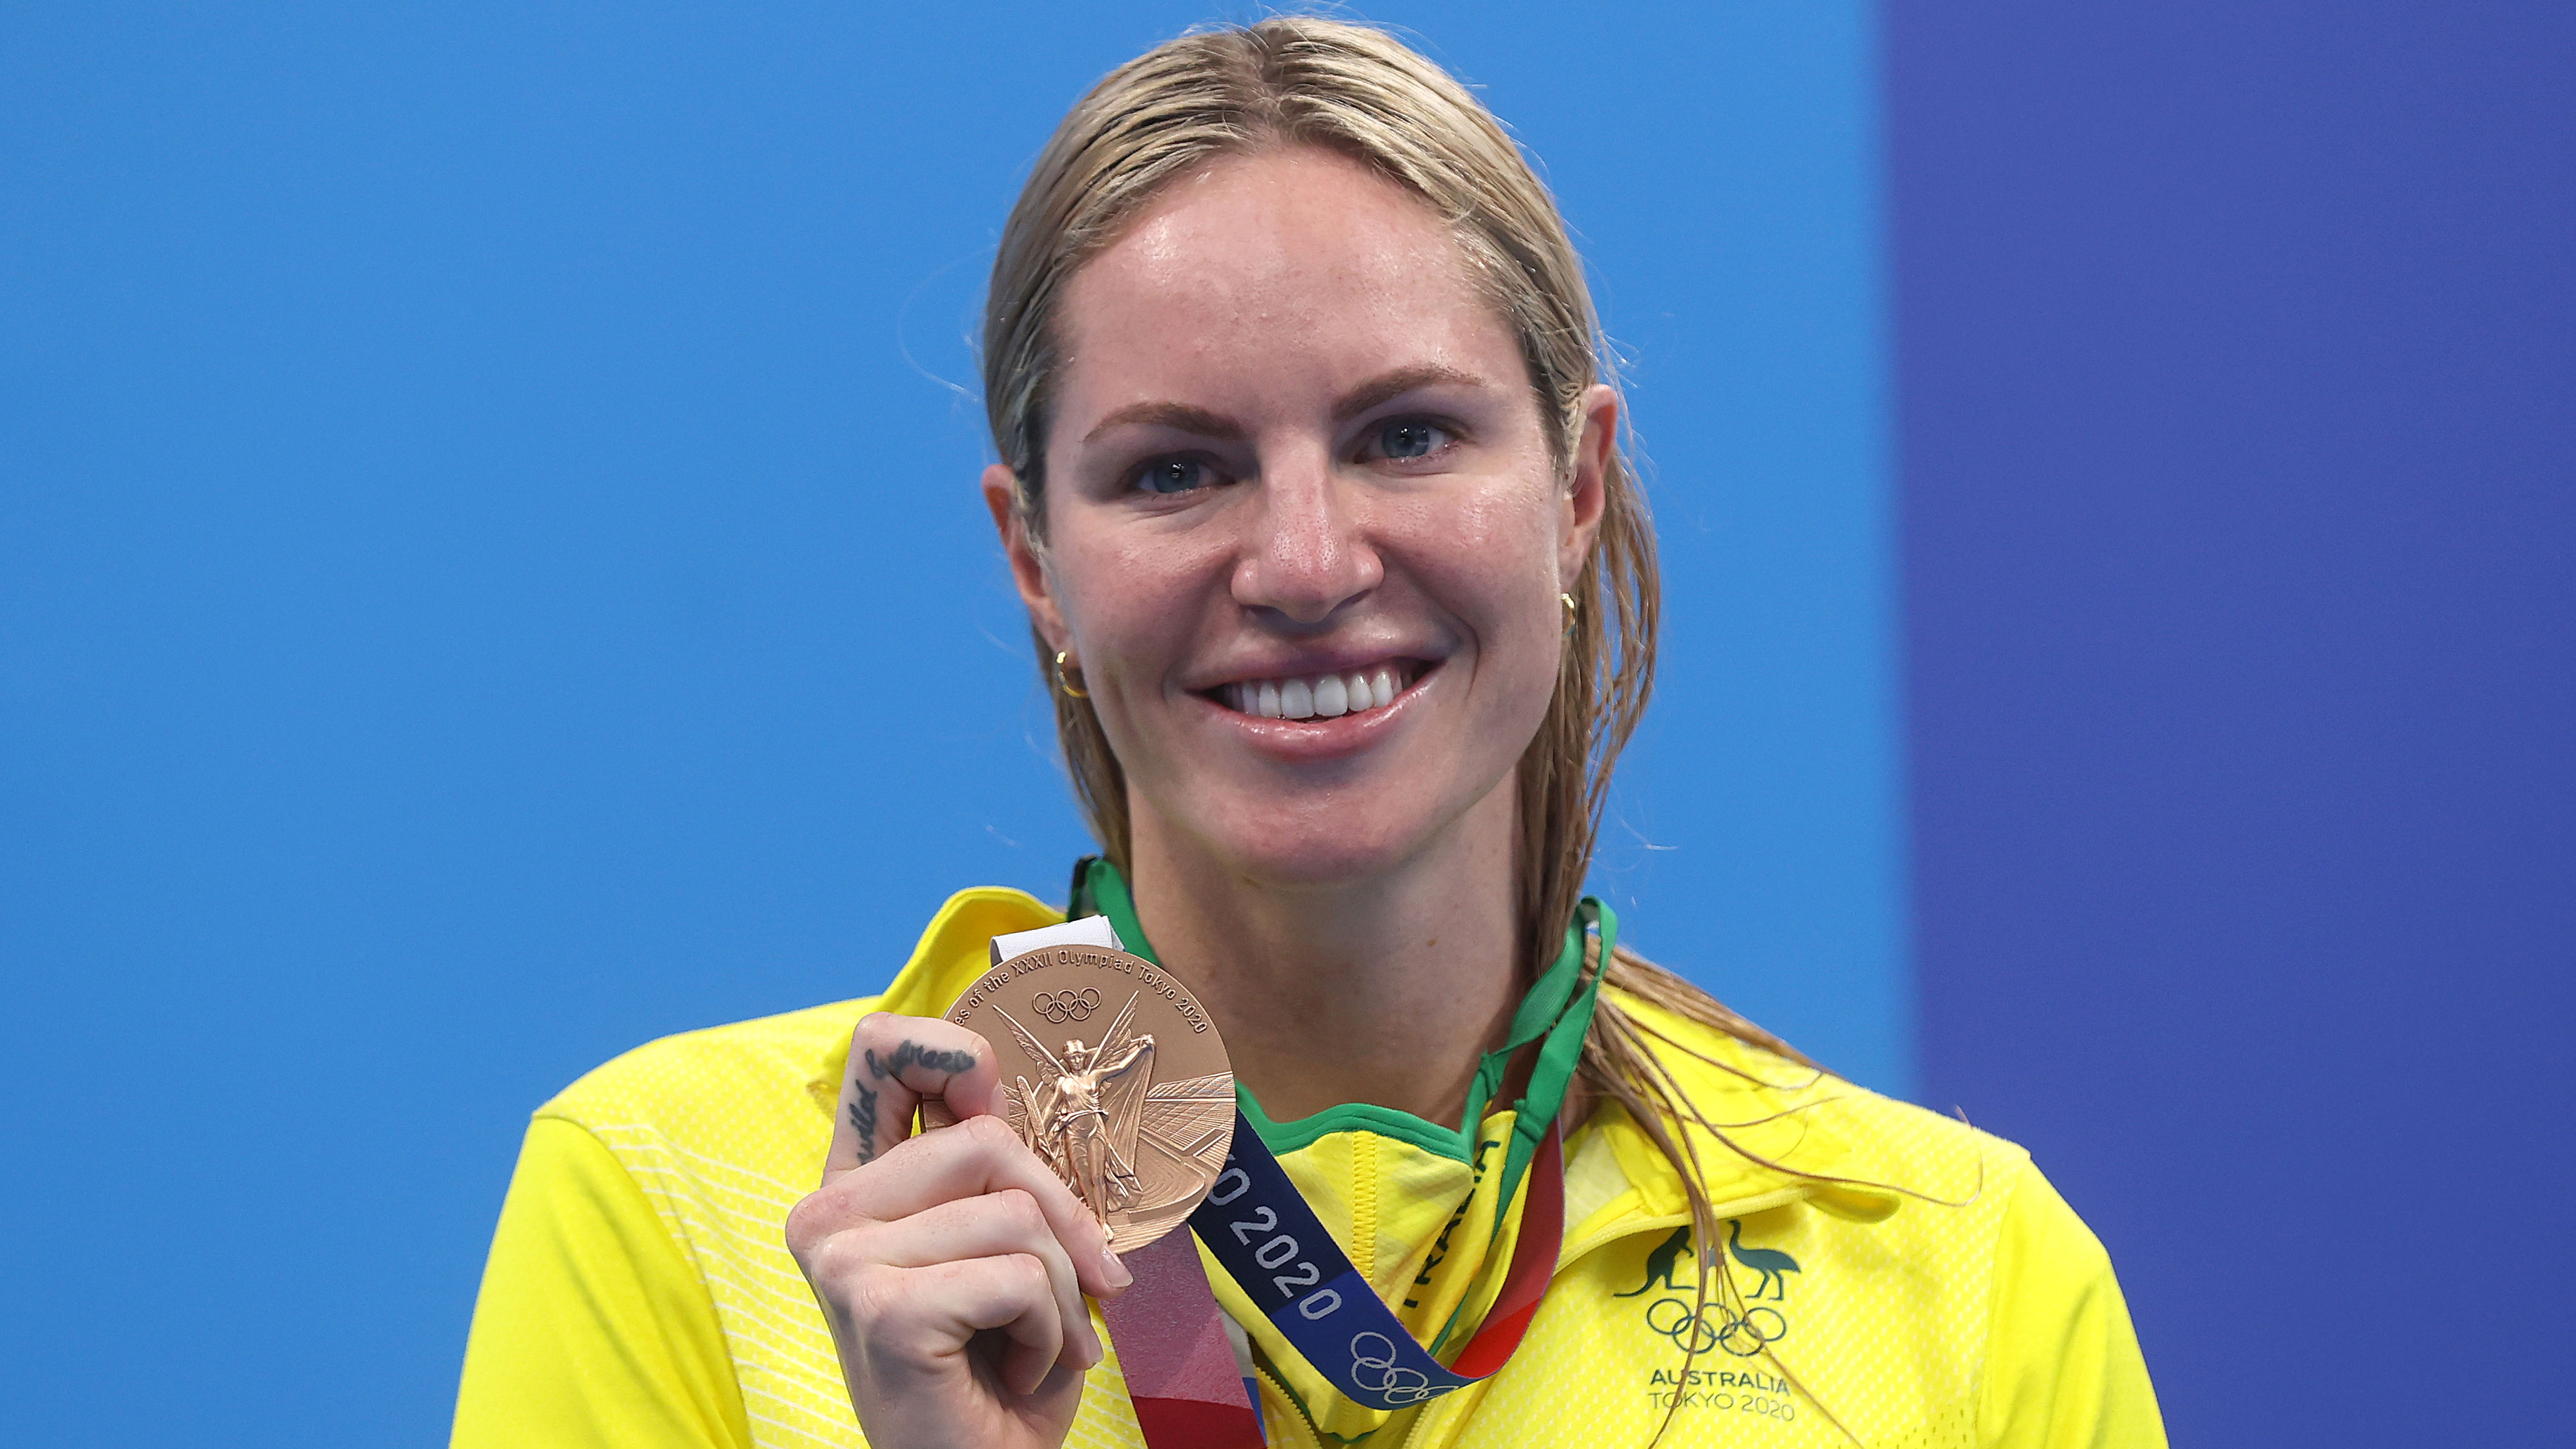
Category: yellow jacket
[640,1293]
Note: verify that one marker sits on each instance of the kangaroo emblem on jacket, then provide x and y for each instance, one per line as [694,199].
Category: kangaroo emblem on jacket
[1660,1264]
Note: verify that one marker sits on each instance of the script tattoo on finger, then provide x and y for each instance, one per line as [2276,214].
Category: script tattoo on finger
[863,1117]
[913,1053]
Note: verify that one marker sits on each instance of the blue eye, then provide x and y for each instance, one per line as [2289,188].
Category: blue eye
[1411,438]
[1175,475]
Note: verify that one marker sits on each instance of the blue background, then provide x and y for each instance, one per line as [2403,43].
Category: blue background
[489,574]
[2238,392]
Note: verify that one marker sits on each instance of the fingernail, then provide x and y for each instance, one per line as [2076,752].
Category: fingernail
[1113,1272]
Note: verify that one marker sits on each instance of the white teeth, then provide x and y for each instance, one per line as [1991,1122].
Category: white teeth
[1322,696]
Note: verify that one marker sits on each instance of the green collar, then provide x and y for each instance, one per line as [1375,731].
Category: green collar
[1558,1008]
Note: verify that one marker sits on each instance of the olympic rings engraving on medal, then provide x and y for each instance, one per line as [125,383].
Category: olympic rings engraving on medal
[1070,1006]
[1695,1331]
[1373,1355]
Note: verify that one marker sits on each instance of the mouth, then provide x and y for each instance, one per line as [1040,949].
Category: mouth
[1321,696]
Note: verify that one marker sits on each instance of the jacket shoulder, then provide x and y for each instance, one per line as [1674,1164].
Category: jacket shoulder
[1909,1146]
[1764,1120]
[722,1131]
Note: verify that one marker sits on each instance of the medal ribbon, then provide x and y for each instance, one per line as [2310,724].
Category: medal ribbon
[1170,1335]
[1257,1225]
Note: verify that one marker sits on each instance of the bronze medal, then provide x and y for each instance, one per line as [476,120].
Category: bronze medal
[1114,1076]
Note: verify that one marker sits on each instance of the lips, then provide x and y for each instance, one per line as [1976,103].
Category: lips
[1319,696]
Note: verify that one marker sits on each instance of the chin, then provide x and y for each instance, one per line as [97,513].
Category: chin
[1324,843]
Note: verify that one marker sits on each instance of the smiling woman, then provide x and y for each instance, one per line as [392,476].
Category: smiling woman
[1293,446]
[1310,479]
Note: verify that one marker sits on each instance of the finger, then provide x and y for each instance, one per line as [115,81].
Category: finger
[978,1156]
[909,1326]
[897,1062]
[1009,1293]
[993,1225]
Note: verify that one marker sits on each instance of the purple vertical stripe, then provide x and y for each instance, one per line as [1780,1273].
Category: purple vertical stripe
[2235,348]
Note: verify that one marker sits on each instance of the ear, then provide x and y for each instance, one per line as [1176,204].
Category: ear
[1587,492]
[1001,495]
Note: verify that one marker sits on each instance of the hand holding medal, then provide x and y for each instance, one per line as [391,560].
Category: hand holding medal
[950,1265]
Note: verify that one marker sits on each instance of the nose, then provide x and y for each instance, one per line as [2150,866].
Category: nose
[1307,553]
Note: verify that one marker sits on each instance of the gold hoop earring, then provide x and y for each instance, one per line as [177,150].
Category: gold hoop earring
[1571,609]
[1065,679]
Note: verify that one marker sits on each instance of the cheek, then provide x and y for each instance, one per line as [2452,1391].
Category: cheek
[1492,557]
[1132,602]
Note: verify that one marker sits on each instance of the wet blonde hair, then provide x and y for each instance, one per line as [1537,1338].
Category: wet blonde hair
[1305,81]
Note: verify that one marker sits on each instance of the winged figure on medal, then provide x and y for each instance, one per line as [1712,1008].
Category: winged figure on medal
[1138,1153]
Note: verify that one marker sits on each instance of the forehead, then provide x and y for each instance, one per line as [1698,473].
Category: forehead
[1287,262]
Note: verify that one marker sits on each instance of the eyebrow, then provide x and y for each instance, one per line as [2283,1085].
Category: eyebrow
[1179,417]
[1185,418]
[1390,385]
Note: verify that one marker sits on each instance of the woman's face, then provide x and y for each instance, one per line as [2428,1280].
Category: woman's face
[1304,533]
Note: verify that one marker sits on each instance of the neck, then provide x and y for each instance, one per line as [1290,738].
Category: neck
[1386,990]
